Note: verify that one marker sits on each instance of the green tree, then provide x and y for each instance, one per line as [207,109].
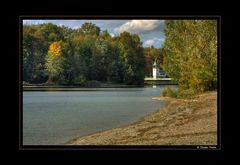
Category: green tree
[51,32]
[89,29]
[108,64]
[34,49]
[132,55]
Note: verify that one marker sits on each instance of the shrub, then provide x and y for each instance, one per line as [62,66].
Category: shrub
[168,92]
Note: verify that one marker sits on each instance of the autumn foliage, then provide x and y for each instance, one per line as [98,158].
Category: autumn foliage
[191,55]
[55,49]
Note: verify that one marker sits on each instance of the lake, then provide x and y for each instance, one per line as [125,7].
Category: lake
[56,117]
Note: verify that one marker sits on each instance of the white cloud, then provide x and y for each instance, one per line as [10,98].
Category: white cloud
[156,42]
[149,42]
[139,26]
[112,34]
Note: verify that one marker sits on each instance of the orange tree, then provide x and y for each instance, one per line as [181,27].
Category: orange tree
[54,62]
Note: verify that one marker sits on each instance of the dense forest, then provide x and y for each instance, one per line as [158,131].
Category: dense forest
[190,55]
[60,55]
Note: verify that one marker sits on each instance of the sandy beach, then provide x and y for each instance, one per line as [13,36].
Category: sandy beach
[181,122]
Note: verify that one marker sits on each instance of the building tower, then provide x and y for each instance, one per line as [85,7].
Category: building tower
[155,69]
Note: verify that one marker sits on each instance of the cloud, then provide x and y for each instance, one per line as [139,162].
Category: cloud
[138,26]
[151,32]
[112,34]
[156,42]
[149,42]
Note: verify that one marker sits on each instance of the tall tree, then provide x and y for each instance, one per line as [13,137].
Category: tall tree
[131,51]
[54,62]
[191,54]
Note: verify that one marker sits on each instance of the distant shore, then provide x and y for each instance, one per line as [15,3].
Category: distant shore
[46,87]
[181,122]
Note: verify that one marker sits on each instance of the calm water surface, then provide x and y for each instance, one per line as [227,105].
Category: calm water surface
[54,118]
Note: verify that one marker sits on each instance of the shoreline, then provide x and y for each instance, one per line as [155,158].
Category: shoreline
[180,122]
[75,88]
[43,87]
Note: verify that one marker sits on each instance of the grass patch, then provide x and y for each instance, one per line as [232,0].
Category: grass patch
[186,94]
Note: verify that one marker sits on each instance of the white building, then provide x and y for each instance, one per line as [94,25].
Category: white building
[157,72]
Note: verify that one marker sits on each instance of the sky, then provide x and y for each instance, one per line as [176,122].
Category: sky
[150,31]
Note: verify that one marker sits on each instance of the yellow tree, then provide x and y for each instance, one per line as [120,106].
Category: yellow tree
[55,49]
[191,54]
[54,62]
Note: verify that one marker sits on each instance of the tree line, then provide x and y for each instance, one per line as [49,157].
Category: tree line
[60,55]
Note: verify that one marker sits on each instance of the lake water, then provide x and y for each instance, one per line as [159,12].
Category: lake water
[55,117]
